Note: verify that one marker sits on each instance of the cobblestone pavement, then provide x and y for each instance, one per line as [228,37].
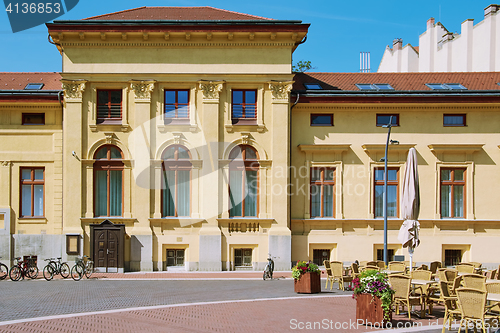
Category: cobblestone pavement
[180,302]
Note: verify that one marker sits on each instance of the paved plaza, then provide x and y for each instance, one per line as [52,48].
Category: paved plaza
[180,302]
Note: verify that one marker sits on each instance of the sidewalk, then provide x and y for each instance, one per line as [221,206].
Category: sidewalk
[326,311]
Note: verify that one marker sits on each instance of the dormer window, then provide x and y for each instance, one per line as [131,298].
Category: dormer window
[313,86]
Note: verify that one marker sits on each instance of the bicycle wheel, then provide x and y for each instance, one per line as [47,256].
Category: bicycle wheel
[48,272]
[32,272]
[4,271]
[264,277]
[15,273]
[65,270]
[77,272]
[89,269]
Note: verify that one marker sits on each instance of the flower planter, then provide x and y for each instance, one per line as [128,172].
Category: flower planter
[369,310]
[309,283]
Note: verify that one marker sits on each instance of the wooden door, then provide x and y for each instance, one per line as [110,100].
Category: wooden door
[106,250]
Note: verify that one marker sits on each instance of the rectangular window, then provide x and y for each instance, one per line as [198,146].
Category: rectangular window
[384,119]
[176,106]
[176,196]
[320,255]
[390,254]
[453,192]
[243,190]
[242,257]
[32,192]
[392,192]
[244,106]
[175,257]
[452,257]
[33,119]
[109,106]
[108,193]
[321,119]
[322,189]
[454,120]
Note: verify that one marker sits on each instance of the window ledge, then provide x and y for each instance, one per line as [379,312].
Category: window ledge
[177,127]
[245,127]
[109,127]
[40,220]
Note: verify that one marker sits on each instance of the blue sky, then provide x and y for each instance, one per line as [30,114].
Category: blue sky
[339,30]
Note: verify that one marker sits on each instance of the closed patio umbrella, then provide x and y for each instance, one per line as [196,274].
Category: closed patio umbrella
[410,206]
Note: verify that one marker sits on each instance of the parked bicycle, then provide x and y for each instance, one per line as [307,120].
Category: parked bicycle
[22,268]
[268,271]
[83,266]
[4,270]
[55,267]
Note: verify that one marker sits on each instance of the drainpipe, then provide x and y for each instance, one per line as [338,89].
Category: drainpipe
[290,149]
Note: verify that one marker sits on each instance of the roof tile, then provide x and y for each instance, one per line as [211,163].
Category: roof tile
[17,81]
[399,81]
[178,14]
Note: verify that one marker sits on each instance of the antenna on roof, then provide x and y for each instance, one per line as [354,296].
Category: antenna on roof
[364,62]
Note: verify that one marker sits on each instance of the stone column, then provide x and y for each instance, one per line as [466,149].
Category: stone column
[280,237]
[210,243]
[141,241]
[72,153]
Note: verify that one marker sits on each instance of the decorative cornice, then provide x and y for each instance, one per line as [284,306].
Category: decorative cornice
[211,89]
[180,44]
[281,90]
[324,147]
[460,148]
[142,89]
[372,148]
[73,89]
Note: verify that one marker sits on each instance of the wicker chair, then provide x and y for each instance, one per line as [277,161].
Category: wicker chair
[434,266]
[494,288]
[401,285]
[457,283]
[370,268]
[381,264]
[354,270]
[451,311]
[423,291]
[398,266]
[338,274]
[329,275]
[465,267]
[491,275]
[472,304]
[475,264]
[371,263]
[474,281]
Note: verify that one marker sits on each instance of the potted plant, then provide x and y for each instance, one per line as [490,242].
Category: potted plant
[373,296]
[306,277]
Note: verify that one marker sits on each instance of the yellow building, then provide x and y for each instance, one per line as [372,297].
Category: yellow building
[179,139]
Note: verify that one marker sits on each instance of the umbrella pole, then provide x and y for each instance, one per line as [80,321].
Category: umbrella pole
[410,251]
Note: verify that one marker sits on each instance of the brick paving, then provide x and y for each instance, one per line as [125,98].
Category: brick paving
[181,302]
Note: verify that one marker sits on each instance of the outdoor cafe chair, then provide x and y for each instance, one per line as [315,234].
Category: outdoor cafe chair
[457,283]
[466,268]
[338,274]
[475,264]
[370,268]
[329,274]
[422,290]
[397,266]
[491,275]
[447,275]
[362,263]
[381,264]
[451,311]
[494,288]
[434,266]
[354,270]
[372,263]
[474,281]
[402,294]
[472,305]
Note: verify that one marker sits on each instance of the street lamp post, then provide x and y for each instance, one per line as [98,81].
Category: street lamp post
[389,126]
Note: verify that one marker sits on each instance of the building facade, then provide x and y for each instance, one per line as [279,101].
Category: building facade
[191,145]
[475,49]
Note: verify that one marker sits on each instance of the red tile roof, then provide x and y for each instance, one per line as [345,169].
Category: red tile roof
[177,13]
[17,81]
[399,81]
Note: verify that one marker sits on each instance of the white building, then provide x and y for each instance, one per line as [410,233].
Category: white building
[475,49]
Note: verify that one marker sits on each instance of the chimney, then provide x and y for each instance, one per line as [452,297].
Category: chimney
[397,44]
[430,23]
[491,9]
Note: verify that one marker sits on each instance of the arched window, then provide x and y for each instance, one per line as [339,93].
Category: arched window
[108,181]
[243,181]
[176,176]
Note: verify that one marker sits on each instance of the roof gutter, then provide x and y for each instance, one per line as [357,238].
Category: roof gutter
[342,93]
[47,93]
[176,22]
